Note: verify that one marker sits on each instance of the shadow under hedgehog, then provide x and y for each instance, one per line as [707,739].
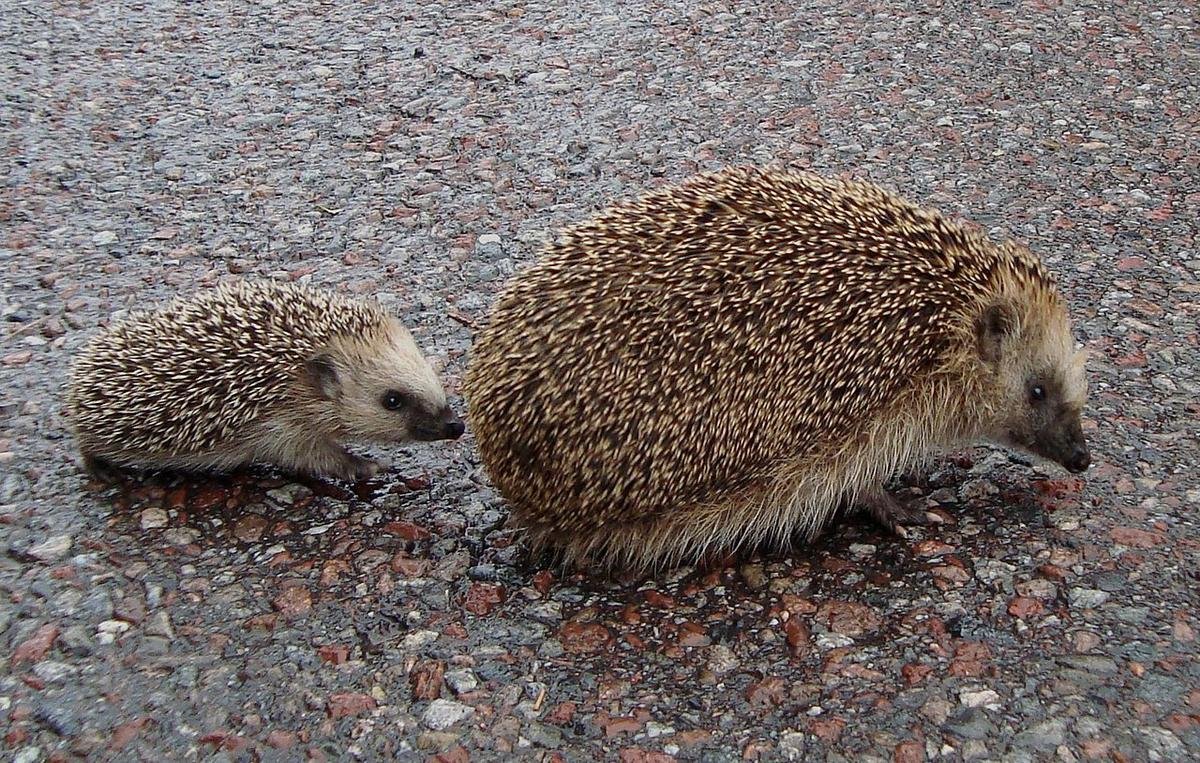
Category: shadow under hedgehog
[727,361]
[250,372]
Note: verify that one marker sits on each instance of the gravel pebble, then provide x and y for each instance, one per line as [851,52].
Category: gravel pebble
[970,723]
[77,640]
[543,735]
[51,549]
[153,518]
[980,698]
[721,659]
[61,720]
[1044,736]
[159,624]
[1086,598]
[415,642]
[52,671]
[1161,744]
[443,713]
[833,641]
[461,681]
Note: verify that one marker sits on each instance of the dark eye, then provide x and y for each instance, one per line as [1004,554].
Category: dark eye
[393,400]
[1037,393]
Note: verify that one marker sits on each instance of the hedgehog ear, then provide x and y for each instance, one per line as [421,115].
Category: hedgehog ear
[992,327]
[322,374]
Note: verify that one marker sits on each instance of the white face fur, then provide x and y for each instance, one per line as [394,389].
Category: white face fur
[383,389]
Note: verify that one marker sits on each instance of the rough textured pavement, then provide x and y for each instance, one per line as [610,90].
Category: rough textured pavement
[422,150]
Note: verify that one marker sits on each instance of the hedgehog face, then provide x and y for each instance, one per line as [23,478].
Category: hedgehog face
[1043,386]
[1049,424]
[383,390]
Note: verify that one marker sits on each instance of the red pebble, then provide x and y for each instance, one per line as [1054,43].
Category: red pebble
[482,598]
[349,704]
[34,648]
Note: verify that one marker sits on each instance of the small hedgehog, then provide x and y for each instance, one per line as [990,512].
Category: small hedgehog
[731,360]
[254,372]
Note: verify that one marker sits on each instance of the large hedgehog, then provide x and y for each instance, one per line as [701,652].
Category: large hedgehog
[729,360]
[254,371]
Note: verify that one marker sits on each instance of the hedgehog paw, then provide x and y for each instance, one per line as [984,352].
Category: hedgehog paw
[895,516]
[357,468]
[348,467]
[101,470]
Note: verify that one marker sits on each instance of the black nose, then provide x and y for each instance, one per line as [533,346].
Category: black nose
[443,425]
[1079,460]
[454,429]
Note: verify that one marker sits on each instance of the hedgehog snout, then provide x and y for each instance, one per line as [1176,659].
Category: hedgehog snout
[1079,459]
[454,427]
[444,425]
[1063,441]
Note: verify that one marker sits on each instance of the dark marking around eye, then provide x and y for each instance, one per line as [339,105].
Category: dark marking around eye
[1037,393]
[393,400]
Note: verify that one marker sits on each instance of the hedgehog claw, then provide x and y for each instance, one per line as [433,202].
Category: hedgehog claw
[362,469]
[894,516]
[351,468]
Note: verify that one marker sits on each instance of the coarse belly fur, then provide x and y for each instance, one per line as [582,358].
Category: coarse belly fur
[300,440]
[797,497]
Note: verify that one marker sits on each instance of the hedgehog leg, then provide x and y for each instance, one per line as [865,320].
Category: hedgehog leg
[335,461]
[302,451]
[356,468]
[893,515]
[101,469]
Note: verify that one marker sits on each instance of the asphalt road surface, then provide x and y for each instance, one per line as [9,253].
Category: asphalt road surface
[420,151]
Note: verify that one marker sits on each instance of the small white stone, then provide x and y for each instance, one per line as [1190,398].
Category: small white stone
[833,640]
[51,549]
[980,698]
[113,626]
[443,713]
[181,536]
[721,659]
[288,494]
[862,549]
[418,640]
[462,681]
[1086,598]
[1065,521]
[159,624]
[153,518]
[791,745]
